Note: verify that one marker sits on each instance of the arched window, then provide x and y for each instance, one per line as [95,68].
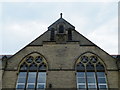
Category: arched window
[61,29]
[32,73]
[52,37]
[69,35]
[90,73]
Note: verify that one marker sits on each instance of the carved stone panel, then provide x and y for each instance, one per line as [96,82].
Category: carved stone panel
[61,38]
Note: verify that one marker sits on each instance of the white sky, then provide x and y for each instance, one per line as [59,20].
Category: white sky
[22,22]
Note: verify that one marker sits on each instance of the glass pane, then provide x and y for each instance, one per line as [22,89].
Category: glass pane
[103,86]
[38,59]
[80,66]
[31,77]
[101,80]
[33,67]
[29,59]
[100,74]
[90,67]
[61,29]
[22,77]
[42,77]
[42,67]
[24,67]
[31,86]
[93,59]
[41,86]
[84,59]
[22,74]
[99,67]
[21,80]
[31,80]
[81,86]
[80,74]
[81,80]
[90,74]
[20,86]
[92,86]
[91,80]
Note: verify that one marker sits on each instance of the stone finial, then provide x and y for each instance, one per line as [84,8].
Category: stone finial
[60,15]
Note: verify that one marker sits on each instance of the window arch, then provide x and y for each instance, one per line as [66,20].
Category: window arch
[90,72]
[32,72]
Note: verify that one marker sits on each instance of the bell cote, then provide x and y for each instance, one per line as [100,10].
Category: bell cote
[61,31]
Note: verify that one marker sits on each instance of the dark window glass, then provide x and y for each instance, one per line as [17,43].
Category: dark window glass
[61,29]
[99,67]
[38,59]
[90,67]
[42,67]
[24,67]
[20,86]
[69,35]
[31,86]
[33,67]
[52,35]
[41,86]
[80,67]
[29,59]
[84,59]
[81,87]
[93,59]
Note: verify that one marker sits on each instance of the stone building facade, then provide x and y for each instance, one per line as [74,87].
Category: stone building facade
[61,58]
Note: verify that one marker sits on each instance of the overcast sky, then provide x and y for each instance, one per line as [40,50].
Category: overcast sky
[22,22]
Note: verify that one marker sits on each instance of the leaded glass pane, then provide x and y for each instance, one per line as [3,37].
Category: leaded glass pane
[31,86]
[91,74]
[33,66]
[29,59]
[101,74]
[101,80]
[92,86]
[41,77]
[20,86]
[80,66]
[90,67]
[42,67]
[81,86]
[41,86]
[81,74]
[24,67]
[102,86]
[41,81]
[84,59]
[21,80]
[81,80]
[99,67]
[31,77]
[93,59]
[38,59]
